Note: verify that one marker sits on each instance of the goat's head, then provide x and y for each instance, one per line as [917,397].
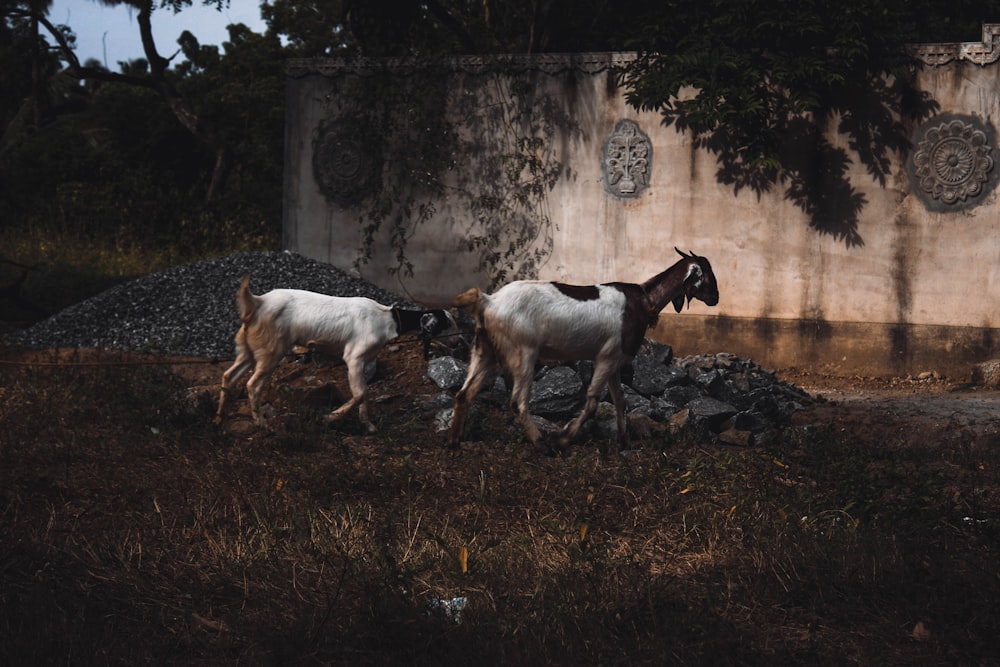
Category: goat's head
[699,282]
[435,324]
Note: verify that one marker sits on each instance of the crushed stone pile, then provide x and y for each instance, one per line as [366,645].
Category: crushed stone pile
[729,397]
[187,310]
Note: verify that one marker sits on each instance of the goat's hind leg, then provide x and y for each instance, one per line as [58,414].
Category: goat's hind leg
[481,369]
[266,363]
[243,361]
[524,375]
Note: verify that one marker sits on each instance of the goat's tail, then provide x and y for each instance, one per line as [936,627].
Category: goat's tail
[469,300]
[246,302]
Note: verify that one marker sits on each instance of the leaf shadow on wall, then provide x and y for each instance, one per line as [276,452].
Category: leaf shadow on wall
[814,173]
[816,181]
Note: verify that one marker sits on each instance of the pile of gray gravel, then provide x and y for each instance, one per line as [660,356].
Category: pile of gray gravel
[187,310]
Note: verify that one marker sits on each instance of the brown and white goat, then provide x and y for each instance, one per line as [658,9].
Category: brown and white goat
[526,321]
[352,328]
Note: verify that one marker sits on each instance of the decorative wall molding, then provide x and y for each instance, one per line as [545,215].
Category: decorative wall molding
[547,63]
[951,166]
[985,52]
[628,157]
[981,53]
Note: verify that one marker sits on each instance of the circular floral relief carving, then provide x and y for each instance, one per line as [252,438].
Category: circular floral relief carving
[344,166]
[952,162]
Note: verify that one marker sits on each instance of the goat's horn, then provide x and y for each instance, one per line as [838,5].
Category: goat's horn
[680,252]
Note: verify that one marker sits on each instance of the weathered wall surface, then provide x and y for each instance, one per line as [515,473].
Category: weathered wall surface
[906,286]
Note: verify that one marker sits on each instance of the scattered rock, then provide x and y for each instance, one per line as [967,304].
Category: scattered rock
[736,437]
[679,421]
[644,427]
[556,391]
[987,374]
[447,372]
[433,402]
[711,410]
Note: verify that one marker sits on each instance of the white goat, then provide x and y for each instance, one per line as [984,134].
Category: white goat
[353,328]
[527,321]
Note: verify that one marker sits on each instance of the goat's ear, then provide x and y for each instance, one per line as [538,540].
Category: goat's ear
[678,302]
[695,272]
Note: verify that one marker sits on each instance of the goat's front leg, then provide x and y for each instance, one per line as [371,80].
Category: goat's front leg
[604,374]
[359,394]
[618,398]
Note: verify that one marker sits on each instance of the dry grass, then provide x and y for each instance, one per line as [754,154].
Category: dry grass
[132,530]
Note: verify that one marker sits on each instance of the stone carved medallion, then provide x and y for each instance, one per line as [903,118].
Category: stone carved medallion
[952,163]
[628,155]
[344,165]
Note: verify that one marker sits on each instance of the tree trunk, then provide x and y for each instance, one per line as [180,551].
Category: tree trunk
[158,81]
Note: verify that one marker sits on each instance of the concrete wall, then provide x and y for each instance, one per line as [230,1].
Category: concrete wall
[904,286]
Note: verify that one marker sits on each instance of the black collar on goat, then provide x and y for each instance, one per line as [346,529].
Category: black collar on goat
[429,323]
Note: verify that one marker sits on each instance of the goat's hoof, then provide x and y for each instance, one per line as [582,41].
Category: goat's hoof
[552,450]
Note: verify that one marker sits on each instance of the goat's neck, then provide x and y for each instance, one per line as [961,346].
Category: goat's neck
[406,320]
[665,286]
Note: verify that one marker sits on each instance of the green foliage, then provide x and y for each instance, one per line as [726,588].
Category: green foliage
[402,126]
[110,184]
[759,83]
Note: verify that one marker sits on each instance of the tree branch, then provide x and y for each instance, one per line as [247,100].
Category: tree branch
[158,81]
[90,73]
[456,27]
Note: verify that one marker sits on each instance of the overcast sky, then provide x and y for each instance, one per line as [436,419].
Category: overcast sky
[111,34]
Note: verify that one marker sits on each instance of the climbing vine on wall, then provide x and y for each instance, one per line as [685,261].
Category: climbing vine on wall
[484,151]
[507,192]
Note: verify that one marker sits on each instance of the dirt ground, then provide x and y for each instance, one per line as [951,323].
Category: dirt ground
[878,410]
[929,411]
[806,616]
